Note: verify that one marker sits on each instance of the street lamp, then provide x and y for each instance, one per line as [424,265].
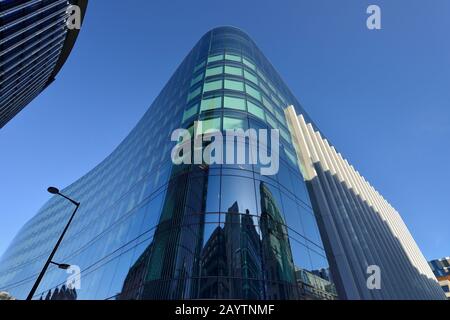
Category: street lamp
[55,191]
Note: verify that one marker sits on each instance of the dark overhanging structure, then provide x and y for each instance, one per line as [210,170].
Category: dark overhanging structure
[34,45]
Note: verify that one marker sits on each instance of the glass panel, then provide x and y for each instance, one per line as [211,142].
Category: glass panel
[190,112]
[261,75]
[239,195]
[255,110]
[234,103]
[233,123]
[194,94]
[211,124]
[249,76]
[292,157]
[292,215]
[249,64]
[232,57]
[234,85]
[280,117]
[215,58]
[213,85]
[197,79]
[199,66]
[268,105]
[211,103]
[310,227]
[233,70]
[271,121]
[253,92]
[214,71]
[213,194]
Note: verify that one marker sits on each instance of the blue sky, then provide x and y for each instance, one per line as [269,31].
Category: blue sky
[382,97]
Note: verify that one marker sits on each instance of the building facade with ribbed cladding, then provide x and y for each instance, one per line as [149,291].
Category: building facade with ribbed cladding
[150,229]
[34,44]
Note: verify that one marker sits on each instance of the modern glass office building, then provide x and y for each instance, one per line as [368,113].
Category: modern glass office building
[34,44]
[149,229]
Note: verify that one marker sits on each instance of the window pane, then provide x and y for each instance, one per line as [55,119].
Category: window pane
[197,79]
[292,216]
[233,57]
[300,255]
[234,85]
[239,195]
[285,135]
[211,103]
[213,194]
[233,70]
[268,105]
[234,103]
[213,85]
[261,75]
[253,92]
[215,58]
[280,117]
[190,112]
[249,76]
[199,66]
[214,71]
[233,123]
[194,93]
[272,122]
[249,64]
[292,157]
[210,124]
[255,110]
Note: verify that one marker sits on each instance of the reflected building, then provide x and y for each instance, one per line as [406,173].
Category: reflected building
[149,229]
[62,293]
[441,269]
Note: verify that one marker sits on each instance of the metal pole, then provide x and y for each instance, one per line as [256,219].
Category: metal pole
[50,258]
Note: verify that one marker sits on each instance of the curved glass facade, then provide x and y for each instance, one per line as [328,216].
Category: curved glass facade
[148,229]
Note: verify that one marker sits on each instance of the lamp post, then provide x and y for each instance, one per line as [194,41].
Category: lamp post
[54,190]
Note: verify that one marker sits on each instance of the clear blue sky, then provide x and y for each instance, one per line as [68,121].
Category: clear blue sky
[382,97]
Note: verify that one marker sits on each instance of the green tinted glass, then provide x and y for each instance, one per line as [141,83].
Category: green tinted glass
[234,85]
[249,76]
[214,58]
[213,85]
[233,123]
[210,124]
[249,64]
[232,57]
[211,103]
[190,112]
[199,66]
[255,110]
[268,105]
[234,103]
[285,135]
[214,71]
[197,79]
[253,92]
[194,93]
[233,70]
[271,121]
